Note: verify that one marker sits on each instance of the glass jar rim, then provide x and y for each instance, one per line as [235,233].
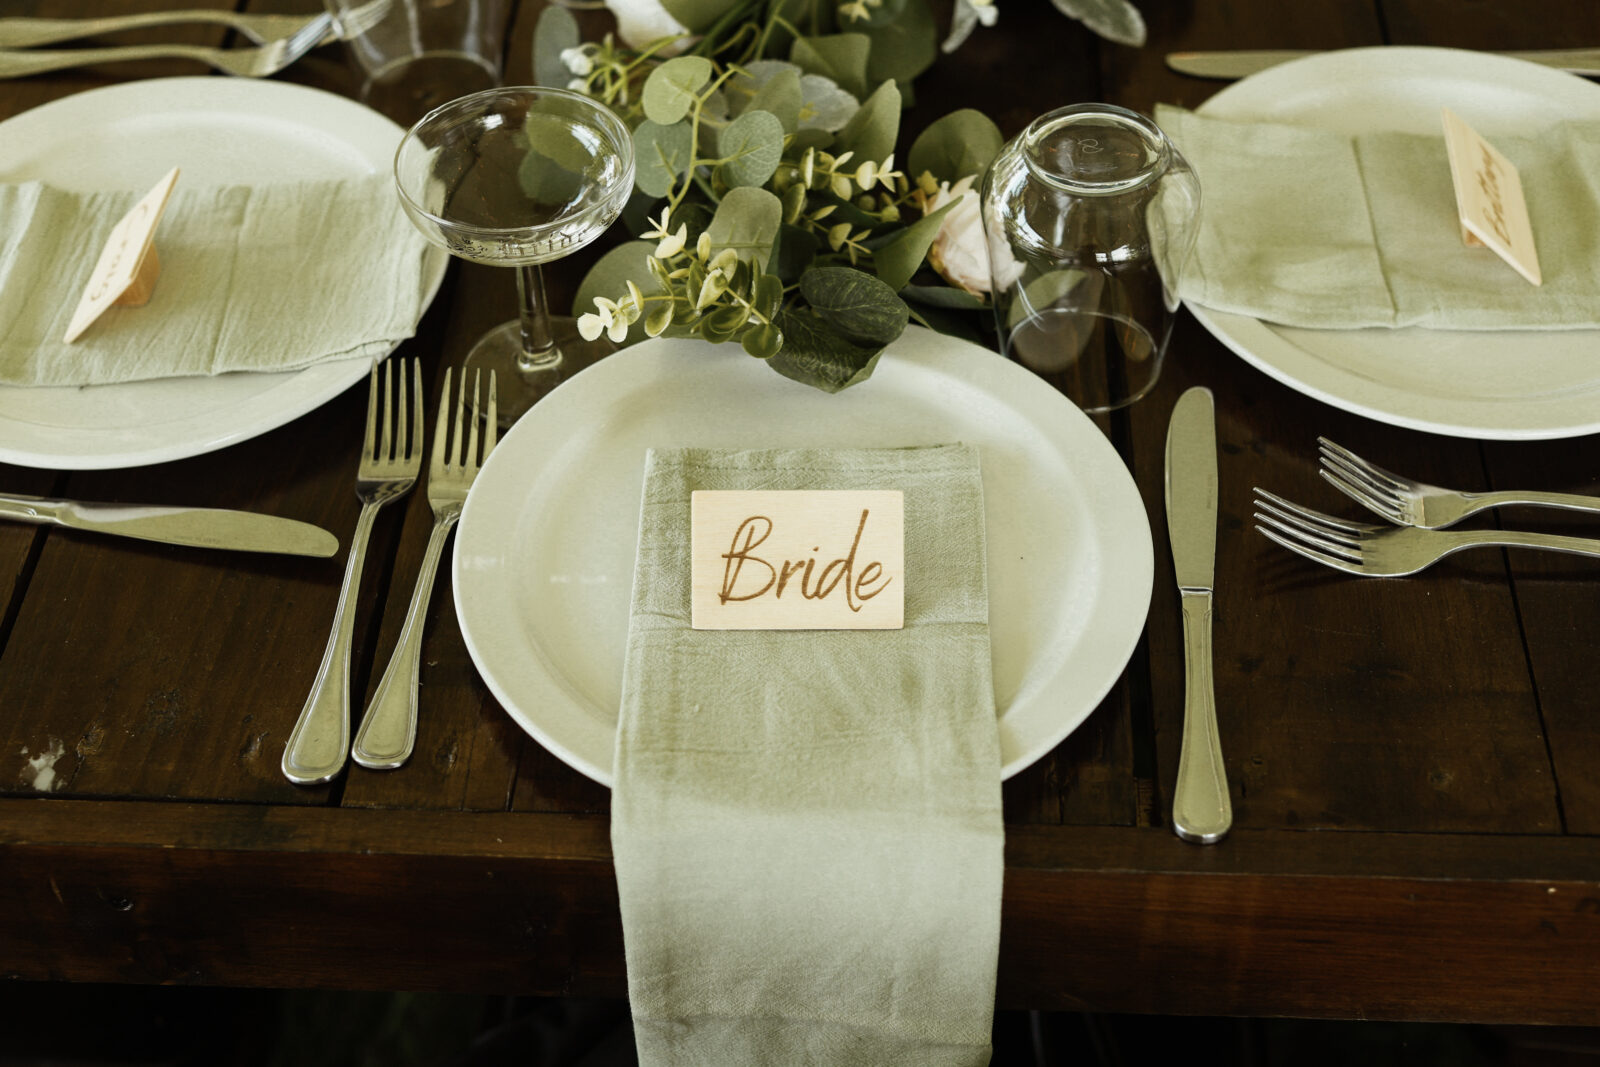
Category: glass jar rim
[1155,142]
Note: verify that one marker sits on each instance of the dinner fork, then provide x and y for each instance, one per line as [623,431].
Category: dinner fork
[389,728]
[1412,503]
[1386,551]
[391,456]
[258,62]
[24,32]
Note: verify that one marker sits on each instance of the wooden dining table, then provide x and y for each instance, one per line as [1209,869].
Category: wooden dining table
[1414,763]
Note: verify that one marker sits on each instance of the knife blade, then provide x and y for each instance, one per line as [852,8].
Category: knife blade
[1241,64]
[1201,809]
[243,531]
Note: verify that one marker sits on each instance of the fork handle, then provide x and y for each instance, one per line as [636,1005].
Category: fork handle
[27,32]
[389,728]
[1202,811]
[321,737]
[1477,502]
[19,64]
[1578,546]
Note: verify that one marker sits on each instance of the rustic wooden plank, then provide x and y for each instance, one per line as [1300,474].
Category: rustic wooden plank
[254,895]
[1536,24]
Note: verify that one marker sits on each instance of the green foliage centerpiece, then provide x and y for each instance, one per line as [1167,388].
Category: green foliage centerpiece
[771,208]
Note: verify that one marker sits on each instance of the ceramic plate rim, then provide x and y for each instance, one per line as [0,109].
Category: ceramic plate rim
[1272,350]
[289,394]
[1103,649]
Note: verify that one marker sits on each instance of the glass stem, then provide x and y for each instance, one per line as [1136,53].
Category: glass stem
[539,351]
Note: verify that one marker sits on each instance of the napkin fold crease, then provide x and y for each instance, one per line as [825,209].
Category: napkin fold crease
[253,278]
[806,824]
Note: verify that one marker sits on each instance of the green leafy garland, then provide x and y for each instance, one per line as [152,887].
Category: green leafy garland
[768,199]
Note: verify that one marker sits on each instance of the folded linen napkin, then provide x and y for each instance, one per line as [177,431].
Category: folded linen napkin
[268,278]
[1310,227]
[806,824]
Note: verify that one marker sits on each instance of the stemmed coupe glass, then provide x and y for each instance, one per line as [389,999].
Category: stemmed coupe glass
[518,177]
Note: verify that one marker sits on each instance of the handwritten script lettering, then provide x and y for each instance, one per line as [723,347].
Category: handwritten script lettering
[836,572]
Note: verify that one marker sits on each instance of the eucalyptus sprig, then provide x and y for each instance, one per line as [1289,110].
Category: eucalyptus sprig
[778,216]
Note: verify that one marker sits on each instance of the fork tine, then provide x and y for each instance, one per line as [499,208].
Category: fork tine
[469,458]
[419,405]
[386,429]
[437,461]
[1286,525]
[491,426]
[369,446]
[462,415]
[1360,476]
[1362,495]
[1311,553]
[1316,518]
[1372,470]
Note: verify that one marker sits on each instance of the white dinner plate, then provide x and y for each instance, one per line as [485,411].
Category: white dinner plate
[545,551]
[218,131]
[1505,385]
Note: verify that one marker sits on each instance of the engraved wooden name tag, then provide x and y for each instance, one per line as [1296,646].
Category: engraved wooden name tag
[1489,198]
[127,269]
[797,559]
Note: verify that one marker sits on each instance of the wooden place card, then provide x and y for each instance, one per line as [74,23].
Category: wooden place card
[797,559]
[127,269]
[1489,198]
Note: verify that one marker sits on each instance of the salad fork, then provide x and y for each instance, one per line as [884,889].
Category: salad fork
[389,729]
[391,457]
[1409,502]
[1386,551]
[256,62]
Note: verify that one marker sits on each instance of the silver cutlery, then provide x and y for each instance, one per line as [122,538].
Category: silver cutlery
[391,456]
[389,728]
[1387,551]
[257,62]
[242,531]
[1408,502]
[1240,64]
[1202,811]
[23,32]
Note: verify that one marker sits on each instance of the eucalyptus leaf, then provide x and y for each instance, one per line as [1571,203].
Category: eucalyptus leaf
[768,296]
[861,308]
[904,48]
[796,248]
[763,340]
[747,221]
[609,277]
[880,14]
[824,105]
[943,296]
[781,97]
[1115,20]
[672,88]
[661,154]
[898,259]
[872,131]
[751,147]
[840,56]
[961,143]
[815,354]
[554,33]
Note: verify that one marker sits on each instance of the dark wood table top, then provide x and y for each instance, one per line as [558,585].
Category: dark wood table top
[1415,764]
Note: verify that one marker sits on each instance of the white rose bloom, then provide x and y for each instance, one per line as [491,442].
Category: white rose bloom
[641,21]
[960,252]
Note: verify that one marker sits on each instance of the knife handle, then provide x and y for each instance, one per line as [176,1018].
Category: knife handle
[1202,811]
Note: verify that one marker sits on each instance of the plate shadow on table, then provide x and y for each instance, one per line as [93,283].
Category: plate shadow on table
[61,1025]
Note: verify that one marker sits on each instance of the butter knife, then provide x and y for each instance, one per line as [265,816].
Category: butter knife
[243,531]
[1584,61]
[1201,809]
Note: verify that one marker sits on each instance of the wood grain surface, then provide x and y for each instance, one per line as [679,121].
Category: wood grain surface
[1414,763]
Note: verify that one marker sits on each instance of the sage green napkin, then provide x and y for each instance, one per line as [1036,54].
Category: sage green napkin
[807,824]
[268,278]
[1310,227]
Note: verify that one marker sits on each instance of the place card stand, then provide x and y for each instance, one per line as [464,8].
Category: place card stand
[797,559]
[1489,199]
[126,272]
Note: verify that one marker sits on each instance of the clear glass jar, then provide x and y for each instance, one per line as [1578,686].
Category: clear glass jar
[1090,215]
